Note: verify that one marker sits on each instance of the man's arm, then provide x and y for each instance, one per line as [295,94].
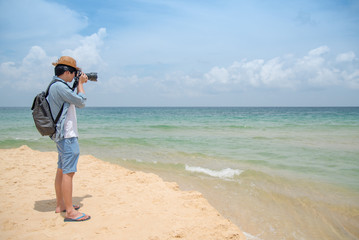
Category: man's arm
[70,96]
[83,79]
[67,95]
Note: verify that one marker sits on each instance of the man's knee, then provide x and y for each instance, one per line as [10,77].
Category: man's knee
[69,174]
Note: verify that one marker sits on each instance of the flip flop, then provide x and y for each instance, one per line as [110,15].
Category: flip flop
[78,219]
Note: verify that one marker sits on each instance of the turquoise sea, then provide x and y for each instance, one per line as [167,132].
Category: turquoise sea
[276,172]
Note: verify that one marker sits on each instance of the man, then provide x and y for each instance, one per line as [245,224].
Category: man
[66,135]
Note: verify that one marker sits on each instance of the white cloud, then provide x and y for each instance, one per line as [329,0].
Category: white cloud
[319,51]
[35,70]
[217,74]
[352,78]
[346,57]
[31,73]
[273,74]
[316,69]
[87,53]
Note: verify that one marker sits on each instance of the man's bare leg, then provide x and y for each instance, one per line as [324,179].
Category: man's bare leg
[67,196]
[60,205]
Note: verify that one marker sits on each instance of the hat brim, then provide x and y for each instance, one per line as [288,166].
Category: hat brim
[55,64]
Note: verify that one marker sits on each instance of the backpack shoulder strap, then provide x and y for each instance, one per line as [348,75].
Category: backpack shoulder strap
[59,114]
[47,93]
[52,82]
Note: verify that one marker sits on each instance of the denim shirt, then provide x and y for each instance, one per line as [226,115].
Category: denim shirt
[60,94]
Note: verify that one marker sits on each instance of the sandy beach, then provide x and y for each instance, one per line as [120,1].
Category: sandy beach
[123,204]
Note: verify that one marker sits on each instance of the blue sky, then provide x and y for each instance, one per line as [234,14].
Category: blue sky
[185,53]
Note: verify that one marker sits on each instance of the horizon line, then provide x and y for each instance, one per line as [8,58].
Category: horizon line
[211,106]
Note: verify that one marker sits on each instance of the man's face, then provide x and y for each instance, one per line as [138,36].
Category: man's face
[68,76]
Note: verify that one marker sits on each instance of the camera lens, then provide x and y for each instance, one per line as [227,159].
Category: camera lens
[92,76]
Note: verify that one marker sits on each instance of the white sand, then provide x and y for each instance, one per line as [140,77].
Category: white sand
[123,204]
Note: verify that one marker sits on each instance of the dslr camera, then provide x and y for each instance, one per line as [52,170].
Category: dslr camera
[92,76]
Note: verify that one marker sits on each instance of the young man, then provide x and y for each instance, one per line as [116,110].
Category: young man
[66,133]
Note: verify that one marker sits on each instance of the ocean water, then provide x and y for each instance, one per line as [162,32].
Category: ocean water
[277,173]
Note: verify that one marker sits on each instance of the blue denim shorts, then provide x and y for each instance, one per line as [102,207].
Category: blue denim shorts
[69,152]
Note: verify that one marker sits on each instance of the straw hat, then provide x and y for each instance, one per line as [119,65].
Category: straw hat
[66,60]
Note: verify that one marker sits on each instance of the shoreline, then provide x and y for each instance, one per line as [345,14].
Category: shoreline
[122,203]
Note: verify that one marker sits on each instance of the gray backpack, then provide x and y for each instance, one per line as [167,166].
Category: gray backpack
[41,113]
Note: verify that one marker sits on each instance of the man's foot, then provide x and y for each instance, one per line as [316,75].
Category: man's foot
[81,218]
[58,209]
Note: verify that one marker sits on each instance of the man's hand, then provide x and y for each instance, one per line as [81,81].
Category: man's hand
[83,78]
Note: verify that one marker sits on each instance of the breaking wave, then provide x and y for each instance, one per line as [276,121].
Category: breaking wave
[226,174]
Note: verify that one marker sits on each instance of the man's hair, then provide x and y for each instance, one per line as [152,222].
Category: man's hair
[60,69]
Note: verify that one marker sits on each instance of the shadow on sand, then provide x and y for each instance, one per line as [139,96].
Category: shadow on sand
[50,205]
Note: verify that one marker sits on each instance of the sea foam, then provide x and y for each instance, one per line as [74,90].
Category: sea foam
[226,174]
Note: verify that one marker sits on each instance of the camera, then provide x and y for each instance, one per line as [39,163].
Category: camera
[92,76]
